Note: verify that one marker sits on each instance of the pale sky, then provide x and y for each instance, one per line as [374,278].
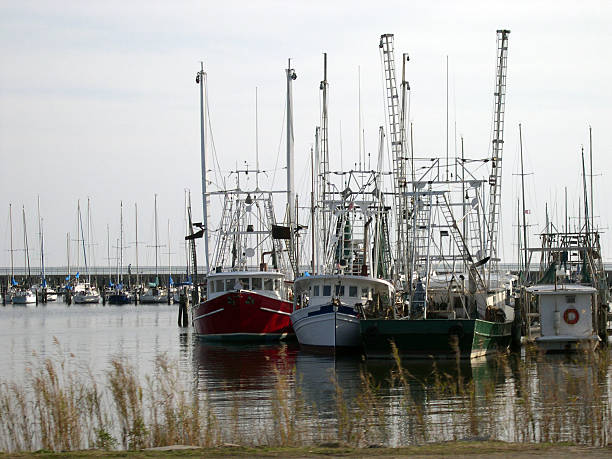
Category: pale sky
[98,99]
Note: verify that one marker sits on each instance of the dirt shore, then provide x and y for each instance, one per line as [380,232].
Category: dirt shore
[448,449]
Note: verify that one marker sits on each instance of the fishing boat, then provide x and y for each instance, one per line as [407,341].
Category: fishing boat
[453,302]
[248,290]
[349,241]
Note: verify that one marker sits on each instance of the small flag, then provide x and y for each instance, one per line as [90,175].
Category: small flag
[527,211]
[68,277]
[170,281]
[77,275]
[13,281]
[44,283]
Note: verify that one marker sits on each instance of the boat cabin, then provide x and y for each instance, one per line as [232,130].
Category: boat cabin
[268,283]
[354,291]
[565,314]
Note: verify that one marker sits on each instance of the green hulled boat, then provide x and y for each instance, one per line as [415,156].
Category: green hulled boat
[440,338]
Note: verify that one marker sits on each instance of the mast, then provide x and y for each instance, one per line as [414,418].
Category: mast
[587,222]
[137,267]
[312,210]
[525,243]
[88,240]
[121,243]
[108,258]
[68,253]
[495,178]
[25,242]
[591,175]
[156,242]
[200,79]
[396,116]
[42,245]
[80,226]
[11,231]
[291,75]
[325,217]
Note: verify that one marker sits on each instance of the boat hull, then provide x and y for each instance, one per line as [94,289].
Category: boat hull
[86,299]
[119,299]
[243,316]
[24,299]
[326,328]
[567,343]
[438,338]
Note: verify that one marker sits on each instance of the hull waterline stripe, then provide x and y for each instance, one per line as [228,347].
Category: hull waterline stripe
[208,314]
[276,311]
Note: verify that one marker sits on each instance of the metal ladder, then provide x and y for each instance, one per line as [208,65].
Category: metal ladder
[399,161]
[461,245]
[226,224]
[495,178]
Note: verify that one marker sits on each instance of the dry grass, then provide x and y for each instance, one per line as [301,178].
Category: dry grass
[61,407]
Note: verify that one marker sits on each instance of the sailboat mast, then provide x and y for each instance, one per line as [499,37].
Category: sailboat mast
[121,243]
[156,241]
[137,268]
[68,253]
[41,240]
[88,240]
[200,78]
[11,230]
[25,242]
[525,244]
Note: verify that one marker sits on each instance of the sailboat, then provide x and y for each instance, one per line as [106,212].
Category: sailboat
[247,291]
[44,292]
[120,295]
[85,292]
[24,295]
[348,226]
[155,293]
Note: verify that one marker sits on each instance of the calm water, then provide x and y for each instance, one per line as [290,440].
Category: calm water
[241,379]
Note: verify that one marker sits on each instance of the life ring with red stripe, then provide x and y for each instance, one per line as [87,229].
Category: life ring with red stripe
[571,316]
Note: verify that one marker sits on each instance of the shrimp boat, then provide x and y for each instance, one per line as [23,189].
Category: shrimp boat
[248,279]
[453,303]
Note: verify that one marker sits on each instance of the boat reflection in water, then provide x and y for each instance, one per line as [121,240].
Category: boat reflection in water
[242,367]
[320,376]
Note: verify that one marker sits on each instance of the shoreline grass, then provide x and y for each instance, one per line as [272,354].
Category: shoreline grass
[60,406]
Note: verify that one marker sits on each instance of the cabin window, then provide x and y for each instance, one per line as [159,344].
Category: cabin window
[229,284]
[339,290]
[268,284]
[245,283]
[256,283]
[364,293]
[315,290]
[570,299]
[352,291]
[276,284]
[219,285]
[327,290]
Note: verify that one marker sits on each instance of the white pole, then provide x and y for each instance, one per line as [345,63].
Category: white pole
[290,183]
[200,79]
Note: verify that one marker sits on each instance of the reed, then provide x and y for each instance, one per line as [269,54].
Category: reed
[61,406]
